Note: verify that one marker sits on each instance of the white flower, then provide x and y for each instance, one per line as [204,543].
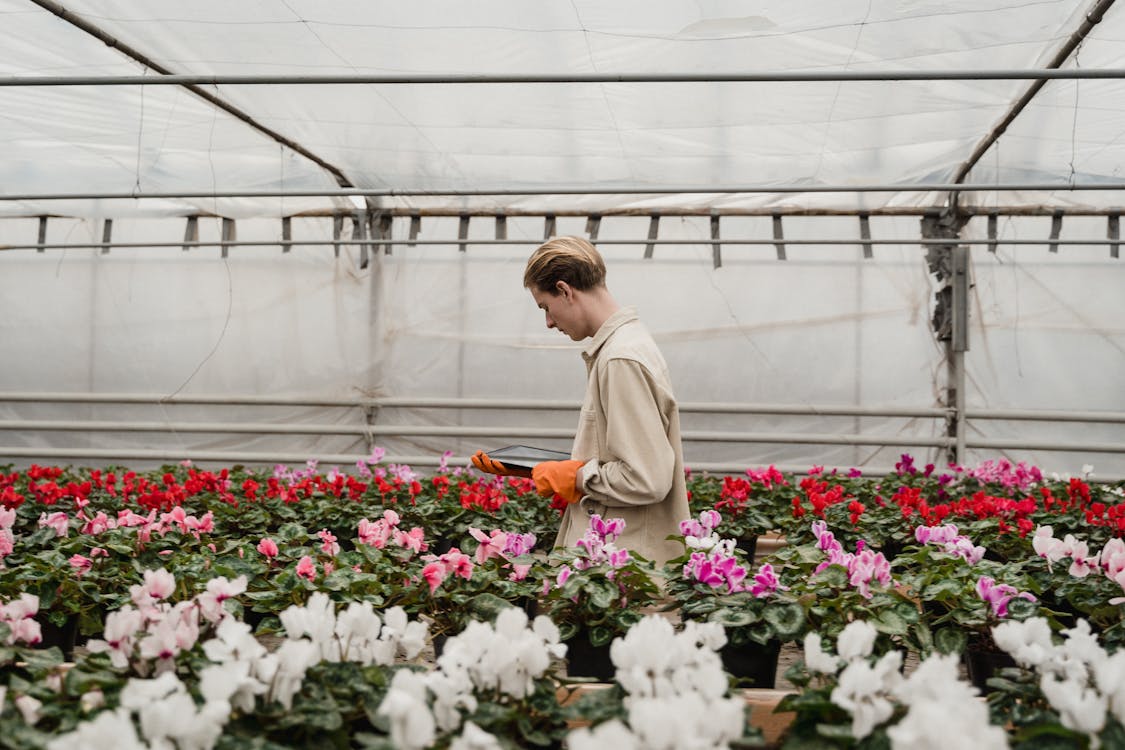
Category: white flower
[934,694]
[548,631]
[233,641]
[474,738]
[611,734]
[1109,674]
[317,620]
[817,660]
[856,640]
[401,635]
[29,708]
[1028,642]
[863,691]
[232,682]
[139,693]
[1080,708]
[90,701]
[294,657]
[109,730]
[169,717]
[412,724]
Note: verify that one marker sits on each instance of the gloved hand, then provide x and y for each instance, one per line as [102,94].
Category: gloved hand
[558,478]
[481,460]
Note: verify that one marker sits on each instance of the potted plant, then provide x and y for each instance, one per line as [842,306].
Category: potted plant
[595,592]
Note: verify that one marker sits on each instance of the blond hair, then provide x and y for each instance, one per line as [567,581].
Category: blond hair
[570,259]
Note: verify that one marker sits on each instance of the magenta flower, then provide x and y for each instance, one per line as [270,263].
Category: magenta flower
[491,545]
[765,582]
[999,594]
[434,573]
[563,577]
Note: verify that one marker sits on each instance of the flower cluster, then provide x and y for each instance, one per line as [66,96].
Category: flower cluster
[677,692]
[714,563]
[7,540]
[504,545]
[454,562]
[997,595]
[1015,477]
[383,530]
[1110,559]
[19,616]
[871,693]
[1078,678]
[952,542]
[152,632]
[864,566]
[500,664]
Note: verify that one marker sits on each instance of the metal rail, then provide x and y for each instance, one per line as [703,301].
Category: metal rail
[392,79]
[917,187]
[921,242]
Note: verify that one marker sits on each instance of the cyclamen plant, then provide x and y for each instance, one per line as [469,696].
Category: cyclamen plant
[676,693]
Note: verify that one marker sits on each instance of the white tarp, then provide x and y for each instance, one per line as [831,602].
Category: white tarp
[535,136]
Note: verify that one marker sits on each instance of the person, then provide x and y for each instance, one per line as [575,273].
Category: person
[627,460]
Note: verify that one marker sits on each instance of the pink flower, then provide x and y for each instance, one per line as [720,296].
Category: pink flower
[98,552]
[80,564]
[158,584]
[434,573]
[412,540]
[765,582]
[98,524]
[999,594]
[490,545]
[268,547]
[563,577]
[305,568]
[57,521]
[329,545]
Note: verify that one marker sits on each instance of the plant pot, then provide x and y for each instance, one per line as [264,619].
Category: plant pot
[982,662]
[752,661]
[64,636]
[586,660]
[748,546]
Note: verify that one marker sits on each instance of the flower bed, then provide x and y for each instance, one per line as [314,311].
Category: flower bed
[158,590]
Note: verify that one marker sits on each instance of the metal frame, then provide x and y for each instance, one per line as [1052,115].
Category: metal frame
[368,406]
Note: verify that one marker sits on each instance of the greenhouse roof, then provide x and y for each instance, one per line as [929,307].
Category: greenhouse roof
[508,105]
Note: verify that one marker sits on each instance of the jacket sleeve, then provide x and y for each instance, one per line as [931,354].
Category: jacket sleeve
[638,461]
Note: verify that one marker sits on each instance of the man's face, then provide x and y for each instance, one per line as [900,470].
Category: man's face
[562,311]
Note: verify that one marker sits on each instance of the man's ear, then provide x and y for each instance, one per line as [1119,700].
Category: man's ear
[565,289]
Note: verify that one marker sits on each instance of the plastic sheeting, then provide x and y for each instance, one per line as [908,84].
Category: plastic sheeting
[534,136]
[825,327]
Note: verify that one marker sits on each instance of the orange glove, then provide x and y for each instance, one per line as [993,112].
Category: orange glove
[558,478]
[481,460]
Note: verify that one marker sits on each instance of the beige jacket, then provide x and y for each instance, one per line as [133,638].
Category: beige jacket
[629,437]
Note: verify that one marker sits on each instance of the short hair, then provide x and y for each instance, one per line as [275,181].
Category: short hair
[570,259]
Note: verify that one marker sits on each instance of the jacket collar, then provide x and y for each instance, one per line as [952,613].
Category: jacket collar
[613,322]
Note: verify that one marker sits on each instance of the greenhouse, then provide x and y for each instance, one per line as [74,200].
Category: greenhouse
[263,305]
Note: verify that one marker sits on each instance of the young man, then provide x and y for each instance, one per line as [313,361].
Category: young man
[627,461]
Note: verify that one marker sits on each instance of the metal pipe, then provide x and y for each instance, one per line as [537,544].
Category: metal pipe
[784,76]
[918,187]
[271,459]
[1041,445]
[460,403]
[708,436]
[848,242]
[1047,416]
[81,23]
[1091,19]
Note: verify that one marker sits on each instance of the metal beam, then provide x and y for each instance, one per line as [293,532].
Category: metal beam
[167,78]
[732,241]
[557,190]
[784,76]
[1092,19]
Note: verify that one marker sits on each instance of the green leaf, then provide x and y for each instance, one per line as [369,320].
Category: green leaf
[1020,608]
[951,640]
[890,622]
[734,618]
[787,620]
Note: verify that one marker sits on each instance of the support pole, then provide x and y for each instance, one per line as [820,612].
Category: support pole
[949,263]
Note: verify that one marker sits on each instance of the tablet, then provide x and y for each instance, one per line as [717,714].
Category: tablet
[525,456]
